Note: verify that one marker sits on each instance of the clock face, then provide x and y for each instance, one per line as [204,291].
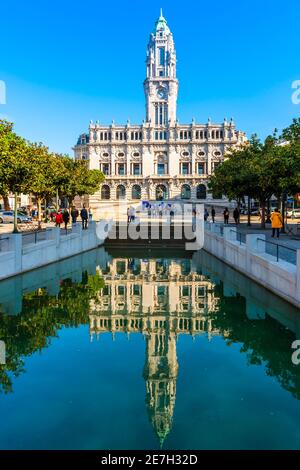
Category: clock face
[162,93]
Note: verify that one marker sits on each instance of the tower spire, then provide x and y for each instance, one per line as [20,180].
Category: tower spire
[161,75]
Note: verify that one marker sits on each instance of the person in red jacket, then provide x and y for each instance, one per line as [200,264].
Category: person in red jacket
[58,219]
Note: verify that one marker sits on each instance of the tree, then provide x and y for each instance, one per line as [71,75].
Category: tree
[291,134]
[77,179]
[46,169]
[290,146]
[235,177]
[14,164]
[5,128]
[260,170]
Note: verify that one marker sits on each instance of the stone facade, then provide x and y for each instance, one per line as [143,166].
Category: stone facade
[160,158]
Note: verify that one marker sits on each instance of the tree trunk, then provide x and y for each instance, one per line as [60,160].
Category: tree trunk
[283,213]
[57,200]
[15,230]
[6,202]
[39,207]
[263,214]
[249,214]
[279,202]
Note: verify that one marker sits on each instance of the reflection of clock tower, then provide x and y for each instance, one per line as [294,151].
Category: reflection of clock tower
[160,372]
[161,85]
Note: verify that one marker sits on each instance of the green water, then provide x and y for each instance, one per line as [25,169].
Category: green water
[146,349]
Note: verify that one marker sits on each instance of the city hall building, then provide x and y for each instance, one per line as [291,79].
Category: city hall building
[159,159]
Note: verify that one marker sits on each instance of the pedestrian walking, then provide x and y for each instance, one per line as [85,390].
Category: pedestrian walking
[236,215]
[90,215]
[74,215]
[226,215]
[128,215]
[206,215]
[58,219]
[66,218]
[213,214]
[33,213]
[276,219]
[84,217]
[52,215]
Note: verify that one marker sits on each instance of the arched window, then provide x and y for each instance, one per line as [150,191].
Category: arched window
[185,191]
[136,192]
[121,192]
[201,191]
[105,192]
[161,192]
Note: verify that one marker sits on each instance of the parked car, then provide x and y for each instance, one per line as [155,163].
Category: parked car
[7,217]
[253,211]
[296,213]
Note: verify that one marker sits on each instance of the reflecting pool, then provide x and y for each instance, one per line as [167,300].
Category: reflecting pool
[146,350]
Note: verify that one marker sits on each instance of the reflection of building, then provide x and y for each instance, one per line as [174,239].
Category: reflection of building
[159,158]
[160,299]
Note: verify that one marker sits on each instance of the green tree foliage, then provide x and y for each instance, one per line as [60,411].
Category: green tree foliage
[261,169]
[77,179]
[27,167]
[14,164]
[235,177]
[46,169]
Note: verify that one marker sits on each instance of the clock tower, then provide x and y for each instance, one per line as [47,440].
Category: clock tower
[161,84]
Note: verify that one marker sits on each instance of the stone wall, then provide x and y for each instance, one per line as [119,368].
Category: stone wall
[250,258]
[17,257]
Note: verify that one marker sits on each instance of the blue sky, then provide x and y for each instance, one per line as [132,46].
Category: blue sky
[66,62]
